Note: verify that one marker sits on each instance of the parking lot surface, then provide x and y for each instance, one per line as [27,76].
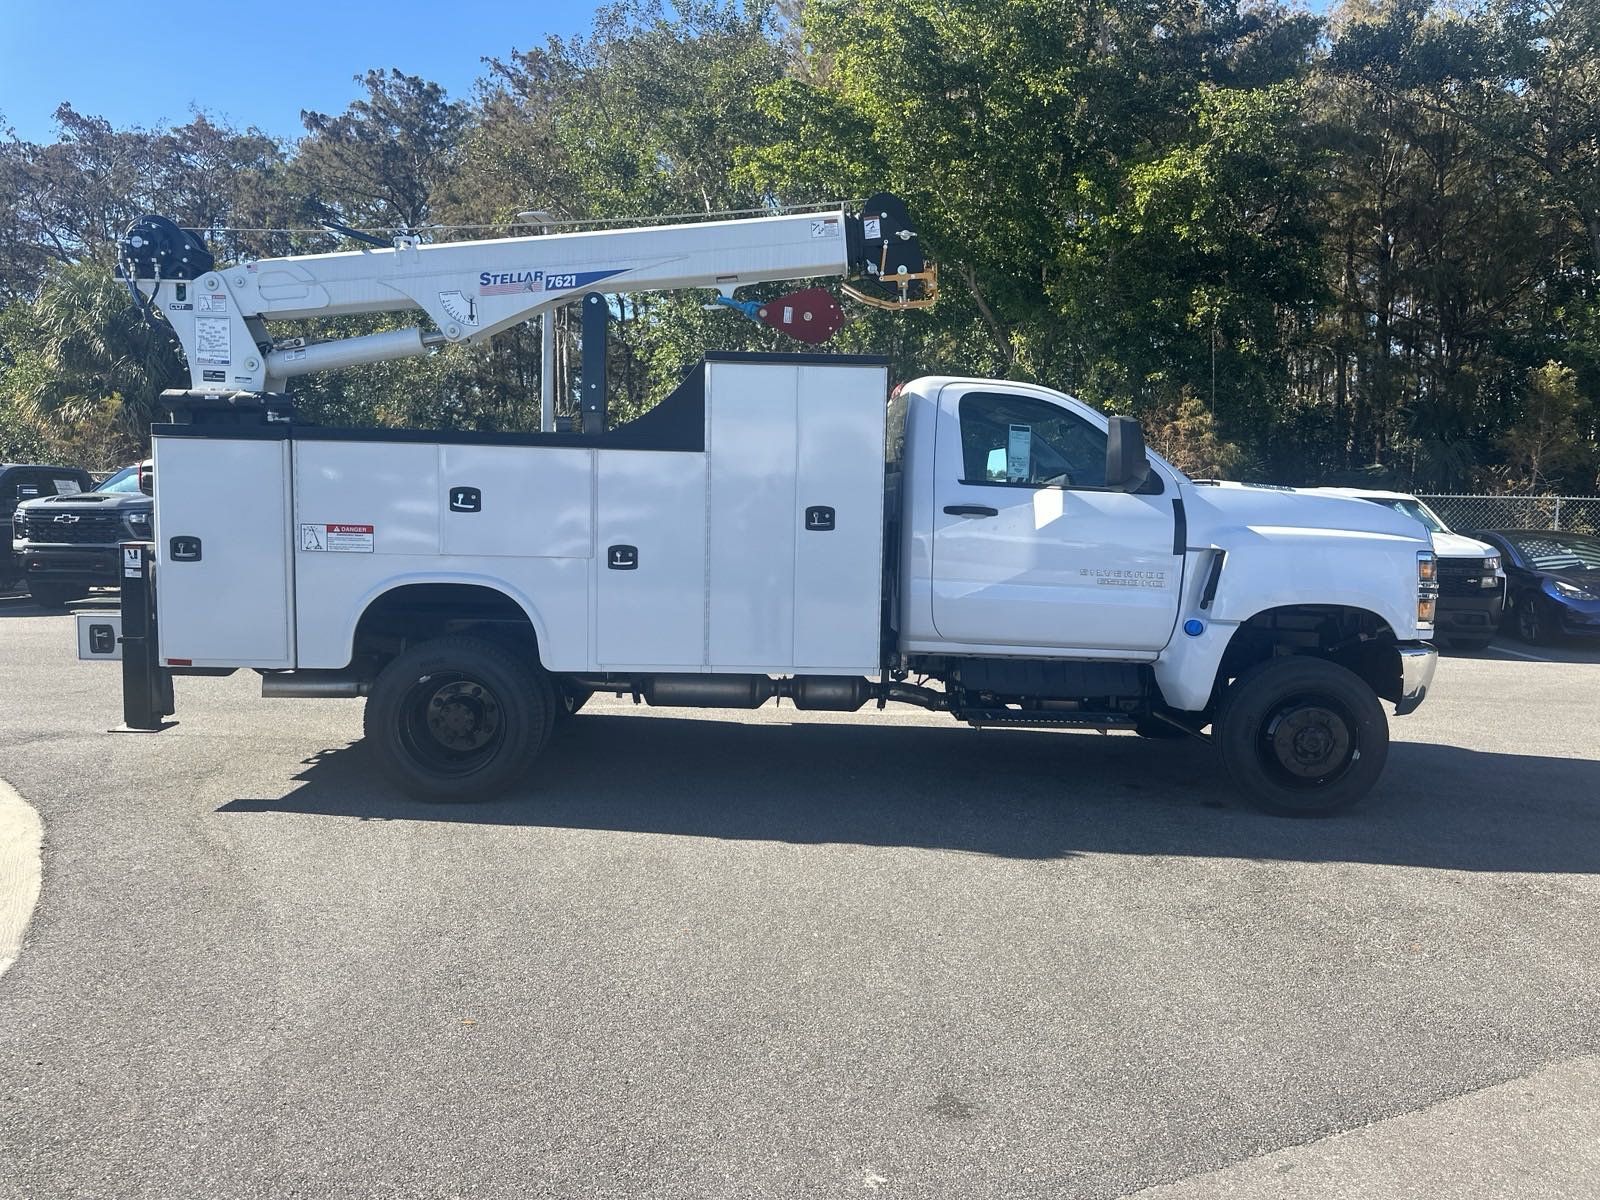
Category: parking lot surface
[770,953]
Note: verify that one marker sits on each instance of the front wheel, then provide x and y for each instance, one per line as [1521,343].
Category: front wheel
[1302,737]
[1533,626]
[457,719]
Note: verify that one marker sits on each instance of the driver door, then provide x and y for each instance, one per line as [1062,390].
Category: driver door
[1029,547]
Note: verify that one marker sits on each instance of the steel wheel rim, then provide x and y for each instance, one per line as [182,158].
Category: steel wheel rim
[452,723]
[1307,742]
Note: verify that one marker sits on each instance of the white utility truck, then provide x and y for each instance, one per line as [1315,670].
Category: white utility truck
[781,526]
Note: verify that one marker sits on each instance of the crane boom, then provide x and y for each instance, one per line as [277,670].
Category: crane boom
[474,290]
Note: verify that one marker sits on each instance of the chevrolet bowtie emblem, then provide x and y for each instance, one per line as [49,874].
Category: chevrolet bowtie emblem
[66,519]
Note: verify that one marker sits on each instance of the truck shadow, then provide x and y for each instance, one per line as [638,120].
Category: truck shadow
[1007,793]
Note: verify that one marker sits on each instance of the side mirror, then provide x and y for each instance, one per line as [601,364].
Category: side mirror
[1127,467]
[147,477]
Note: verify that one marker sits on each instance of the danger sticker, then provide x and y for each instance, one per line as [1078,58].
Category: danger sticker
[337,539]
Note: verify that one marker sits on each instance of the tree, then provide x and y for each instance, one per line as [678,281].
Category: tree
[1544,443]
[388,159]
[83,371]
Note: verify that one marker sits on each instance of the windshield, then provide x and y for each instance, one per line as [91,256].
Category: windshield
[1415,509]
[125,480]
[1557,551]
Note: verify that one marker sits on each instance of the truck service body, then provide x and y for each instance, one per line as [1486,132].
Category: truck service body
[781,526]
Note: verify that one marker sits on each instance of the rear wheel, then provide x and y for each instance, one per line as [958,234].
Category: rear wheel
[55,595]
[1302,737]
[457,719]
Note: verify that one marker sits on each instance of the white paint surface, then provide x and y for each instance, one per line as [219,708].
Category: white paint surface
[21,841]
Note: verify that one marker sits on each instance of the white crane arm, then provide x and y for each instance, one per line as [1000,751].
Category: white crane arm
[473,290]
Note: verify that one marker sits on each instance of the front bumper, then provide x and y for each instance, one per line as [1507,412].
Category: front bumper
[1418,661]
[1470,616]
[97,565]
[1579,619]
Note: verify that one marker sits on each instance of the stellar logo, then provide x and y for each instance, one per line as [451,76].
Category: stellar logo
[506,283]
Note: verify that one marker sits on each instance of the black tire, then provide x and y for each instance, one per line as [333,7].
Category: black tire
[457,719]
[55,595]
[1479,643]
[1302,737]
[552,701]
[1531,625]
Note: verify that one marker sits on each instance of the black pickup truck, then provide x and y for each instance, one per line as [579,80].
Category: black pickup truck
[67,544]
[21,482]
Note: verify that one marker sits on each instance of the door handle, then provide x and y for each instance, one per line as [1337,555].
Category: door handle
[971,510]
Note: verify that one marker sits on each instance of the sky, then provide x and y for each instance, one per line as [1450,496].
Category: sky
[148,62]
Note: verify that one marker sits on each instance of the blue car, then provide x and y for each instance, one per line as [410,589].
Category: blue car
[1552,582]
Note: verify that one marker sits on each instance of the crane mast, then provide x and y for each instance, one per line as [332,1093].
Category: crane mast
[472,290]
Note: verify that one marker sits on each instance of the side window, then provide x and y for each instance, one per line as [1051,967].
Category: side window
[31,485]
[1025,440]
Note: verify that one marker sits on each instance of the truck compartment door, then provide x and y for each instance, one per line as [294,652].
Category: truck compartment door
[223,581]
[650,559]
[795,544]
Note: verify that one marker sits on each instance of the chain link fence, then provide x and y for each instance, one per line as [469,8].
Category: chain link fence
[1577,514]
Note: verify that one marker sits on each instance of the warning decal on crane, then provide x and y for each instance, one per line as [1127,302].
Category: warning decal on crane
[213,341]
[337,539]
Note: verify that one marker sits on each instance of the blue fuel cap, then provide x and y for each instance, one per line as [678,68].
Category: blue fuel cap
[1194,626]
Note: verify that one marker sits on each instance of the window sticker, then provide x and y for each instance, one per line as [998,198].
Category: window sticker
[1019,453]
[66,487]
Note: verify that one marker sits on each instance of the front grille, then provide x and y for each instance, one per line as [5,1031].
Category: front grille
[90,529]
[1462,576]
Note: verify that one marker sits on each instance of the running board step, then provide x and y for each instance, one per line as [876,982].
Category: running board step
[1034,719]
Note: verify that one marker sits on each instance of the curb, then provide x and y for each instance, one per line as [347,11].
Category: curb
[21,844]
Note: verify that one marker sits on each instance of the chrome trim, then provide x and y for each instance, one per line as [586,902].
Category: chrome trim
[1418,661]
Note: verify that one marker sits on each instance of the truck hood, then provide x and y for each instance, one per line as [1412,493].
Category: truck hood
[1268,509]
[116,502]
[1454,545]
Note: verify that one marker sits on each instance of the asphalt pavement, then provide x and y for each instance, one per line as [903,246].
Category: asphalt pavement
[781,954]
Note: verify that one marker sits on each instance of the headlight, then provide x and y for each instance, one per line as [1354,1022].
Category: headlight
[139,522]
[1492,563]
[1571,590]
[1427,587]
